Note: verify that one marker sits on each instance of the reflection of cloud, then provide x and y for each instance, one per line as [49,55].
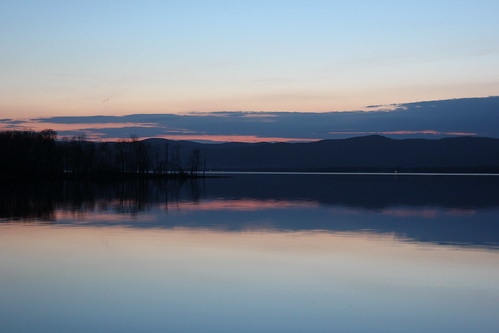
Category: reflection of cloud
[408,212]
[403,212]
[461,212]
[426,212]
[90,217]
[244,204]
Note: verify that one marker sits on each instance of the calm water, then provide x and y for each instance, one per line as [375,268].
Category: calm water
[252,253]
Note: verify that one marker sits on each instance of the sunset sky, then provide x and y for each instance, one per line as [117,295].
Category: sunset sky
[109,57]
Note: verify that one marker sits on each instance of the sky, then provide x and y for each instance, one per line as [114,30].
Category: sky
[431,119]
[115,58]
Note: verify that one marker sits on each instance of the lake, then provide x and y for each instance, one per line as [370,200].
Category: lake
[251,253]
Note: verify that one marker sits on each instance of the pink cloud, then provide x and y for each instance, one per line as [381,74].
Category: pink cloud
[231,138]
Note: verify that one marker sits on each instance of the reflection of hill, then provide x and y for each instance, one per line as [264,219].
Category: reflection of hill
[370,192]
[439,209]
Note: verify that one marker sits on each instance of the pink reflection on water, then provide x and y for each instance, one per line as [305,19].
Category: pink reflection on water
[408,212]
[461,212]
[427,212]
[403,212]
[93,216]
[244,204]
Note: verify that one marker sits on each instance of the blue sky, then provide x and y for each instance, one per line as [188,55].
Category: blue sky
[108,57]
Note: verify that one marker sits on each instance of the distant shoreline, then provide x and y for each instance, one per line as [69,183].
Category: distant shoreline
[211,173]
[222,174]
[29,154]
[101,177]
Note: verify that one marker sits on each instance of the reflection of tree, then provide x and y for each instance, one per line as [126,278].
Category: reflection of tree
[40,200]
[26,201]
[424,208]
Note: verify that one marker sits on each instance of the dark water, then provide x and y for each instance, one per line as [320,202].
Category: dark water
[251,253]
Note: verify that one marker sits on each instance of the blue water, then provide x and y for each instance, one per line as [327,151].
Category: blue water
[251,253]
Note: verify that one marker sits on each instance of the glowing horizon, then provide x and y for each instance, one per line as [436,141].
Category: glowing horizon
[85,58]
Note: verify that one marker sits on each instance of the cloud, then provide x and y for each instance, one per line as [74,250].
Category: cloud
[471,116]
[232,138]
[11,121]
[432,132]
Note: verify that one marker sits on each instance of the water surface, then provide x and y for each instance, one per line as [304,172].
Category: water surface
[251,253]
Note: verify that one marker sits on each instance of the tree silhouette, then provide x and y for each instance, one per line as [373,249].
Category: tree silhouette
[41,153]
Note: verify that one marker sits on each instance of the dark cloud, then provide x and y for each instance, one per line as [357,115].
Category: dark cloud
[472,116]
[81,119]
[11,121]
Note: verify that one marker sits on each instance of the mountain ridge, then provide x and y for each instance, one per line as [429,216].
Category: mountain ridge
[357,153]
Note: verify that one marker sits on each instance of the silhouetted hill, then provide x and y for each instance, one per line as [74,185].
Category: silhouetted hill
[39,154]
[366,153]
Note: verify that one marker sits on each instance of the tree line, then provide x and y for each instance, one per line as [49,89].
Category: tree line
[29,152]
